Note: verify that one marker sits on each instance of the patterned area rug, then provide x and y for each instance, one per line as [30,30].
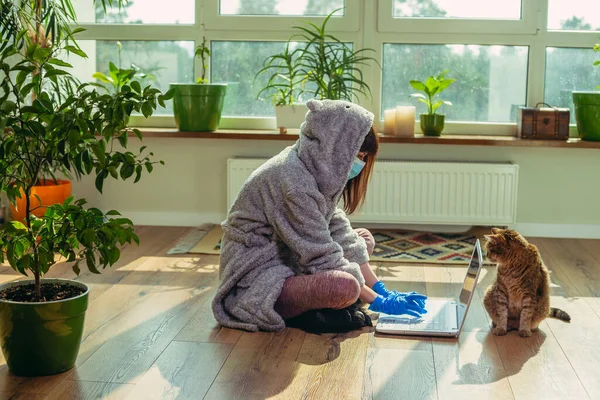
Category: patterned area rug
[423,247]
[392,246]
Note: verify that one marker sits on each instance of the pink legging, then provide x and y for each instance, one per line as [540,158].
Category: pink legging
[331,289]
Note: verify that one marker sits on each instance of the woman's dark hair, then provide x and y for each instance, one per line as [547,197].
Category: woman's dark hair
[356,189]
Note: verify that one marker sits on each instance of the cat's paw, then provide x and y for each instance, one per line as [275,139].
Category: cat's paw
[524,332]
[498,331]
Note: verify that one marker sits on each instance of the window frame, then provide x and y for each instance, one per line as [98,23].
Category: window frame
[366,24]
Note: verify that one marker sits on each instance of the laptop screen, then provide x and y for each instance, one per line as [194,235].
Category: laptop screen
[466,293]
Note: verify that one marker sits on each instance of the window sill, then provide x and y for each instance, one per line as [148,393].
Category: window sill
[456,140]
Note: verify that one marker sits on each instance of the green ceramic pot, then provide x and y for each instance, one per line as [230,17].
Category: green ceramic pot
[587,114]
[198,107]
[41,339]
[432,125]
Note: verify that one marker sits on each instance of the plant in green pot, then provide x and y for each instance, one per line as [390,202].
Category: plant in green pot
[51,121]
[587,110]
[432,123]
[198,106]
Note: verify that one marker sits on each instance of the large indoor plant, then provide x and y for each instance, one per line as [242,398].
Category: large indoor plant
[587,110]
[198,106]
[50,120]
[322,66]
[432,123]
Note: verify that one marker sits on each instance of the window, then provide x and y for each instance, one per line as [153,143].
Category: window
[281,7]
[524,52]
[138,12]
[481,9]
[567,69]
[236,63]
[491,80]
[159,62]
[574,15]
[452,16]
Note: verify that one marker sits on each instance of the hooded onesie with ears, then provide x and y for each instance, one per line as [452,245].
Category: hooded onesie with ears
[285,220]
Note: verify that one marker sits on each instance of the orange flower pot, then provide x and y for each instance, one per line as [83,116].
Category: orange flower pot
[50,192]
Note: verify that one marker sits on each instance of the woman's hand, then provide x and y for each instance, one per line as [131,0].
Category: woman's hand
[380,289]
[397,304]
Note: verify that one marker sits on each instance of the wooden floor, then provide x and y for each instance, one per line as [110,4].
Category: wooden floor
[150,334]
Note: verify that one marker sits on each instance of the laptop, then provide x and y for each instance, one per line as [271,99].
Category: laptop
[444,317]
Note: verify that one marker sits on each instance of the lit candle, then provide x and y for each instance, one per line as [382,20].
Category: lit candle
[404,124]
[389,120]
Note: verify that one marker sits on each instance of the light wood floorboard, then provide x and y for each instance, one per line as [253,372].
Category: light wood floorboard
[150,334]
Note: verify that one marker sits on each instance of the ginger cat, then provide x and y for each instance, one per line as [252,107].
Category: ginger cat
[520,296]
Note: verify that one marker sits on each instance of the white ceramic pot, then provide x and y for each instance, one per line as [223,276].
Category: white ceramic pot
[290,116]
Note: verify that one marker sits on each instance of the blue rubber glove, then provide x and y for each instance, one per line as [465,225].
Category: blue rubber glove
[379,288]
[397,305]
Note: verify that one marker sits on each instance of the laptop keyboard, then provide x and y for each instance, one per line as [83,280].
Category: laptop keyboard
[438,322]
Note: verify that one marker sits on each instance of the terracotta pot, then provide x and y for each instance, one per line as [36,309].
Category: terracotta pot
[50,192]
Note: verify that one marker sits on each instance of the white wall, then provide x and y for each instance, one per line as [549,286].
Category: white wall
[559,189]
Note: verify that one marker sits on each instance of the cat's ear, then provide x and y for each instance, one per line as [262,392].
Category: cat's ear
[496,231]
[489,238]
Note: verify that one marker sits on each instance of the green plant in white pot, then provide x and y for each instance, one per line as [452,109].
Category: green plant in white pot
[321,66]
[587,110]
[432,123]
[284,83]
[198,106]
[331,68]
[51,120]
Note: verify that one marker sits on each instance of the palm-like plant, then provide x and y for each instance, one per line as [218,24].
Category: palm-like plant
[322,66]
[330,65]
[286,79]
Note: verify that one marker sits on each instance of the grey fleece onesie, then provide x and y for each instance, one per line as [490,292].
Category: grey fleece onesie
[285,220]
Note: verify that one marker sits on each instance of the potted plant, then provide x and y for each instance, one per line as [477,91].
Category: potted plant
[432,123]
[198,106]
[118,77]
[51,120]
[330,67]
[284,83]
[322,67]
[587,110]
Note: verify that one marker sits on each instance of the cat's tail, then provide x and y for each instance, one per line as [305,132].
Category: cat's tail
[559,314]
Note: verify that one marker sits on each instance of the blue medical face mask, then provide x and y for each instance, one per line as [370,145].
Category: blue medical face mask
[357,166]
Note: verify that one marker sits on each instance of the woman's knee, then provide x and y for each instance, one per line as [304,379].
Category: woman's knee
[368,237]
[329,289]
[343,289]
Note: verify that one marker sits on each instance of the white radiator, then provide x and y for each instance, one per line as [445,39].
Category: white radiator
[424,192]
